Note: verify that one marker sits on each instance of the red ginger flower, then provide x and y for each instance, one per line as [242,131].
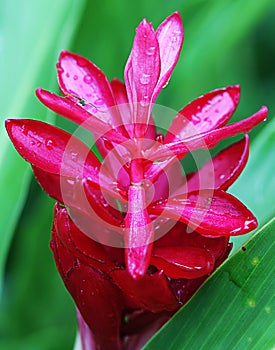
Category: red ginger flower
[138,193]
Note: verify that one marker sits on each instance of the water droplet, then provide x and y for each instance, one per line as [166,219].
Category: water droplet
[60,70]
[145,79]
[108,144]
[49,144]
[164,86]
[71,182]
[248,223]
[222,176]
[160,139]
[87,79]
[150,51]
[68,75]
[81,62]
[74,155]
[196,119]
[174,38]
[75,77]
[25,130]
[210,138]
[144,101]
[99,102]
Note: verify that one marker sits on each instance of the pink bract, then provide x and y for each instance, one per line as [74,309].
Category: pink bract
[138,190]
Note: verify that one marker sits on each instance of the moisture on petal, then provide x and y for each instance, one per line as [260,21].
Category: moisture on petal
[220,171]
[206,140]
[170,38]
[142,74]
[139,233]
[206,113]
[209,212]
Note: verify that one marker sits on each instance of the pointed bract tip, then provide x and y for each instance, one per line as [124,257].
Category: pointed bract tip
[264,110]
[8,125]
[177,15]
[39,92]
[43,95]
[174,16]
[137,272]
[234,91]
[144,24]
[7,122]
[64,53]
[11,125]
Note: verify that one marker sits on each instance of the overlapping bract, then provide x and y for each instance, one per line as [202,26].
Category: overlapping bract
[148,280]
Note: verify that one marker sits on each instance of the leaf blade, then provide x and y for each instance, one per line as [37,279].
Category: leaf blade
[38,44]
[232,308]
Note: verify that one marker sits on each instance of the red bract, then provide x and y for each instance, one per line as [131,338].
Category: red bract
[132,237]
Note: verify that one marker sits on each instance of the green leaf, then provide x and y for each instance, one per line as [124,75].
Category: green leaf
[45,339]
[36,309]
[256,185]
[215,30]
[233,309]
[32,34]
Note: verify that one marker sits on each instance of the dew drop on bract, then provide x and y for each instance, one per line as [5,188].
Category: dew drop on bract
[81,62]
[73,155]
[35,142]
[107,144]
[68,75]
[87,79]
[70,182]
[150,51]
[174,38]
[145,79]
[144,101]
[195,119]
[25,130]
[60,70]
[49,144]
[99,102]
[164,86]
[75,77]
[210,138]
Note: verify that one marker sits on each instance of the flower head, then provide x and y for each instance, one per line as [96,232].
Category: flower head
[133,225]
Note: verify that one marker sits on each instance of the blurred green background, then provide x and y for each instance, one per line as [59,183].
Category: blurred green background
[226,42]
